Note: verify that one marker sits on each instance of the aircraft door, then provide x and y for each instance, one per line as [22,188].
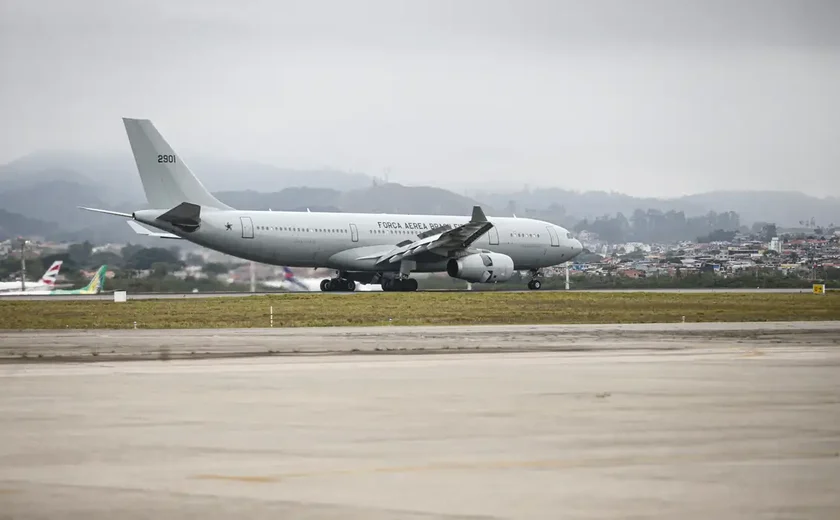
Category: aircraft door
[552,233]
[247,227]
[354,233]
[494,236]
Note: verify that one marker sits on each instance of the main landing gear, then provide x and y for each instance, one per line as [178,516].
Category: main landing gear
[338,284]
[399,284]
[534,284]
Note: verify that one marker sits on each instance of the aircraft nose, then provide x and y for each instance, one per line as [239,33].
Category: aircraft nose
[577,247]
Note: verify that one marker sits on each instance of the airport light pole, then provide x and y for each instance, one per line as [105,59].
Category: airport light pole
[253,278]
[567,275]
[23,243]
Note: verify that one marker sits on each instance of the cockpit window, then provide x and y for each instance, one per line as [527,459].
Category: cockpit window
[568,235]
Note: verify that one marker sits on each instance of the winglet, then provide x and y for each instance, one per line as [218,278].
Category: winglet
[478,215]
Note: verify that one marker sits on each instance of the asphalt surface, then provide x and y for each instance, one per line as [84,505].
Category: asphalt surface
[32,346]
[716,426]
[167,296]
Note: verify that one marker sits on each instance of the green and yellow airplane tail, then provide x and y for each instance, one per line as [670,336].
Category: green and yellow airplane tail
[96,284]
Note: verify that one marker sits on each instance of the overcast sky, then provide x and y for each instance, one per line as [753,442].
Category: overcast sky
[643,97]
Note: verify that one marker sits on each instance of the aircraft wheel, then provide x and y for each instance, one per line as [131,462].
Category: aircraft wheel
[387,284]
[325,285]
[534,285]
[350,285]
[411,285]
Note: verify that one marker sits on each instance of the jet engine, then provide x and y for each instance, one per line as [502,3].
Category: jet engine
[481,268]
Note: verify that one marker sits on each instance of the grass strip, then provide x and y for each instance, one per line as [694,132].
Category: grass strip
[309,310]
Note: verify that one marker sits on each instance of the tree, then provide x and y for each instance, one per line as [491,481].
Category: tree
[129,250]
[768,231]
[718,235]
[195,259]
[588,257]
[106,257]
[159,270]
[758,227]
[80,253]
[656,226]
[215,269]
[145,257]
[633,255]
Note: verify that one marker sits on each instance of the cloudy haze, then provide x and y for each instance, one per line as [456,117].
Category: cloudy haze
[643,97]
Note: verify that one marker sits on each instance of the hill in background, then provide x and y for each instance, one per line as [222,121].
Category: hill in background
[40,193]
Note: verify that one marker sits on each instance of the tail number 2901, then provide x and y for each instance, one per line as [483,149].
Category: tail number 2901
[166,158]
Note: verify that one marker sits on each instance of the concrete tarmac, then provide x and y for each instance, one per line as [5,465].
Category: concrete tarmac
[139,344]
[739,423]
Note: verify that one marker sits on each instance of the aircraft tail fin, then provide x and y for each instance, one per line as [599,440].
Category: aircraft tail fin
[97,283]
[166,179]
[51,275]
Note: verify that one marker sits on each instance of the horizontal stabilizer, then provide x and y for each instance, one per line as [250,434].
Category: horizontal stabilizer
[140,230]
[107,212]
[185,215]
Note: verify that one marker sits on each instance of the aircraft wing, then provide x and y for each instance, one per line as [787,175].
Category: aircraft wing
[439,241]
[140,230]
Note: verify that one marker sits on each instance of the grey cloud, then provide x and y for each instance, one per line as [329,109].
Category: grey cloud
[646,97]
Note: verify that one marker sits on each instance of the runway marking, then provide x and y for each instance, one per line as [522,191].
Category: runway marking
[524,464]
[241,478]
[753,353]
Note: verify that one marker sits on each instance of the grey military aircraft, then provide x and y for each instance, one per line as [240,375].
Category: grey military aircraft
[361,247]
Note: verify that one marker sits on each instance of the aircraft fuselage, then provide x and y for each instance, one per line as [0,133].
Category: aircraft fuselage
[338,240]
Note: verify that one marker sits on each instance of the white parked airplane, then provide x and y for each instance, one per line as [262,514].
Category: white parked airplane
[46,283]
[366,248]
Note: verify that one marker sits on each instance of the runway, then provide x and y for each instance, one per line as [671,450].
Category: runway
[169,296]
[727,422]
[92,345]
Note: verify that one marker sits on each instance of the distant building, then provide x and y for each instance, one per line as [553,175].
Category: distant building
[633,273]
